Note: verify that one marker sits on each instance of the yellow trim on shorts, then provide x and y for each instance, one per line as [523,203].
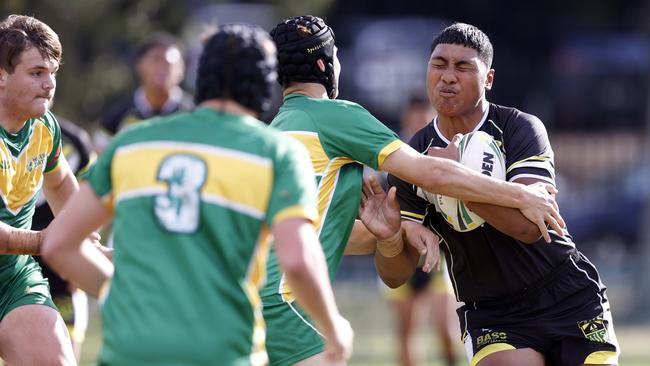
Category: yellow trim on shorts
[602,358]
[488,350]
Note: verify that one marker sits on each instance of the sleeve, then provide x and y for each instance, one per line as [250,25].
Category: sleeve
[412,202]
[356,134]
[528,150]
[55,154]
[99,175]
[294,187]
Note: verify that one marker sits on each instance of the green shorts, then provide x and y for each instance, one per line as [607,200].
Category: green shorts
[291,336]
[26,286]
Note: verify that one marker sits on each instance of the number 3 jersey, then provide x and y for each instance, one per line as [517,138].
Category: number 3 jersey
[194,196]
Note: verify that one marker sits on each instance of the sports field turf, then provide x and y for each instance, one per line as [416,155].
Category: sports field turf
[362,304]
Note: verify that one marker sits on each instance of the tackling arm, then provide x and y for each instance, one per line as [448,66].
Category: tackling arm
[450,178]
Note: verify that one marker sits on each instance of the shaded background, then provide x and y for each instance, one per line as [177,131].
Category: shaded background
[582,66]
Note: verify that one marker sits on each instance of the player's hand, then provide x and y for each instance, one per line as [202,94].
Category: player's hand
[425,241]
[338,345]
[540,207]
[379,211]
[449,152]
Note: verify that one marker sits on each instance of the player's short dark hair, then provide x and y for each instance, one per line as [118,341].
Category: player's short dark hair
[158,40]
[238,62]
[20,32]
[301,41]
[469,36]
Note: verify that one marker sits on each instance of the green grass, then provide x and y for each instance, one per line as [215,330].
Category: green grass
[374,345]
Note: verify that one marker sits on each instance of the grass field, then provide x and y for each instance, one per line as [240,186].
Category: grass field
[362,304]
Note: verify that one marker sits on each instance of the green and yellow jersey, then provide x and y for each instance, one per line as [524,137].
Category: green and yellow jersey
[341,137]
[24,158]
[194,195]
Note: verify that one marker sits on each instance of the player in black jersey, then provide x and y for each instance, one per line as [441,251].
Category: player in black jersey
[160,69]
[526,302]
[72,303]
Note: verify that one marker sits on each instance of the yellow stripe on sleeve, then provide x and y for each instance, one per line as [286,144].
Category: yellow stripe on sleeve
[306,212]
[387,150]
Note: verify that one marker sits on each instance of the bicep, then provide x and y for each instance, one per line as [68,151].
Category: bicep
[59,185]
[293,238]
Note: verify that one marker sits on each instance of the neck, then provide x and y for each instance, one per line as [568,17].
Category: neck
[313,90]
[228,106]
[11,120]
[463,124]
[156,98]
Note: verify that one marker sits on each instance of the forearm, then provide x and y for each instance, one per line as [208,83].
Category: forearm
[311,286]
[361,241]
[507,220]
[397,264]
[15,241]
[452,179]
[85,266]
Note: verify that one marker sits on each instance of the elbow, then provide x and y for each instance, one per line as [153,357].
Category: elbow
[529,234]
[47,249]
[294,265]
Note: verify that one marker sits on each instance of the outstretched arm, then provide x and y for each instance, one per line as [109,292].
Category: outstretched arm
[65,249]
[304,266]
[450,178]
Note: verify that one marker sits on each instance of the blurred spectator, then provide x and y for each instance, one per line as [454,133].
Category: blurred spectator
[417,114]
[433,294]
[160,68]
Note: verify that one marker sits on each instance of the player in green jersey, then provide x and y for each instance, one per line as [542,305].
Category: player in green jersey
[194,197]
[341,136]
[31,330]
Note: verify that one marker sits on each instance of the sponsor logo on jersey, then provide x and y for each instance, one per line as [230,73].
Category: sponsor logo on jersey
[594,330]
[36,162]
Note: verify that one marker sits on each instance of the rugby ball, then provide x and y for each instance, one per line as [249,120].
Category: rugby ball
[480,152]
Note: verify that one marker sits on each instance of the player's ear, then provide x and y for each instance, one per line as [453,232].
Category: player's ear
[320,64]
[489,79]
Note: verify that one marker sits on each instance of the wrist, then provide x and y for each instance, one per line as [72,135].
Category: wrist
[391,246]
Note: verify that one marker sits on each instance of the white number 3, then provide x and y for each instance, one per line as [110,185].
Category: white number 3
[178,210]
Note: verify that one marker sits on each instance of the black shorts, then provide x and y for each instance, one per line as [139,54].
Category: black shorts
[565,316]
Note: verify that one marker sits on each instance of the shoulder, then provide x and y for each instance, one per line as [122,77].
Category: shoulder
[513,117]
[514,122]
[421,140]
